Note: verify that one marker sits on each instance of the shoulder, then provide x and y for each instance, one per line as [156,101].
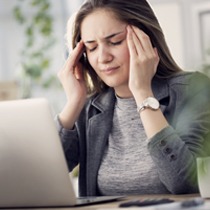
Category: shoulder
[187,78]
[189,81]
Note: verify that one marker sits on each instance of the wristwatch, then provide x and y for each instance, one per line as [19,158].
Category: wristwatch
[150,102]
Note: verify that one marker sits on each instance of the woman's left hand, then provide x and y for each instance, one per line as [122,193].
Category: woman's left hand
[144,60]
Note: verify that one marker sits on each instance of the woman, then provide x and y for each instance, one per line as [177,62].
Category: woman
[144,121]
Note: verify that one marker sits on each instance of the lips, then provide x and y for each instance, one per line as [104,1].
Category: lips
[109,70]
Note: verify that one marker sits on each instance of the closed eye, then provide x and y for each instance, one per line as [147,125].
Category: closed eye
[117,43]
[111,43]
[90,49]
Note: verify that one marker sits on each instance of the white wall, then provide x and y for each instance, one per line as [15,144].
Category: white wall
[169,16]
[181,22]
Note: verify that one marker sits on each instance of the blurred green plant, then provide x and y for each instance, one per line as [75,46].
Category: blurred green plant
[37,22]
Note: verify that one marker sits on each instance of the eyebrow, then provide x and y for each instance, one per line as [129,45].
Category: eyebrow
[107,37]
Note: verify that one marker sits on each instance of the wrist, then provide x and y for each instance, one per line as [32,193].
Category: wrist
[69,115]
[150,102]
[140,96]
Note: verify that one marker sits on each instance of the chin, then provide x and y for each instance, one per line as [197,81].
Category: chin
[112,84]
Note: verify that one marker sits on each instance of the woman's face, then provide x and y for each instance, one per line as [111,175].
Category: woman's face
[104,37]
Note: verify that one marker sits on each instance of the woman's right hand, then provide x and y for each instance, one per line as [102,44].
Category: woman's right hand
[71,78]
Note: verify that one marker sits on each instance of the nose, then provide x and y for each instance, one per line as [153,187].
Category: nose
[104,55]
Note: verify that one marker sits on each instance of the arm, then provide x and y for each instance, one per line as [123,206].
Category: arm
[143,66]
[73,84]
[175,148]
[70,142]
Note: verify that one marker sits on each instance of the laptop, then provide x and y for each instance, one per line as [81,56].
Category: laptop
[33,169]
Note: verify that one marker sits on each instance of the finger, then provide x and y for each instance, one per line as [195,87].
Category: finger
[78,52]
[130,42]
[74,56]
[156,55]
[144,39]
[137,43]
[156,51]
[148,50]
[71,61]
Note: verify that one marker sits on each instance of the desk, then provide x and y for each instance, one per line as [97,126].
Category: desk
[114,204]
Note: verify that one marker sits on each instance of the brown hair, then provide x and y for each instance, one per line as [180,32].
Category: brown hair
[133,12]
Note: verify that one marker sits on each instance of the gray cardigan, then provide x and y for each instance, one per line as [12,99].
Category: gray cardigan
[185,102]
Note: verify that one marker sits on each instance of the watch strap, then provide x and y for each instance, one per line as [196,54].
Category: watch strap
[141,108]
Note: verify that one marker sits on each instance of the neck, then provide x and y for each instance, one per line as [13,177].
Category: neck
[123,92]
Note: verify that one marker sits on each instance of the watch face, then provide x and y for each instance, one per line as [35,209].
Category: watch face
[153,103]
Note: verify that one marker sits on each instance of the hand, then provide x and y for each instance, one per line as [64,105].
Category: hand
[72,80]
[71,76]
[144,60]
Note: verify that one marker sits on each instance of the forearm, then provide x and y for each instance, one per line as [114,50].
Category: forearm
[175,162]
[69,140]
[152,120]
[69,114]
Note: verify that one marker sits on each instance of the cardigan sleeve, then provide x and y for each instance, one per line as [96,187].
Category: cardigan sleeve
[175,148]
[69,140]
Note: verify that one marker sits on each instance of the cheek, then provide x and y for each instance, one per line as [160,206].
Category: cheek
[92,60]
[124,55]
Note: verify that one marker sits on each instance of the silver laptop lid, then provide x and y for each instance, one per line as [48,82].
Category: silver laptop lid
[33,170]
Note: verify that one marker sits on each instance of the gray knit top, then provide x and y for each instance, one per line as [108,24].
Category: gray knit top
[127,167]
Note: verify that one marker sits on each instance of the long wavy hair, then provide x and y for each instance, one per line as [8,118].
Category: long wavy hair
[133,12]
